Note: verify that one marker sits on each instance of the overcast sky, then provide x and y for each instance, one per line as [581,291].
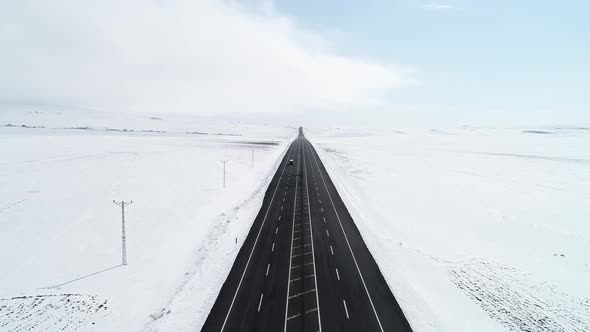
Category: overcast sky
[376,61]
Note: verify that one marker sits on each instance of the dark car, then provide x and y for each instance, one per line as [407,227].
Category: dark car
[290,161]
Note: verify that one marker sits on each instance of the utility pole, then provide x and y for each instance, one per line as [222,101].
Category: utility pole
[224,161]
[122,204]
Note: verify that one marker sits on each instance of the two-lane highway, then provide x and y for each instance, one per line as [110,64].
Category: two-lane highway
[304,265]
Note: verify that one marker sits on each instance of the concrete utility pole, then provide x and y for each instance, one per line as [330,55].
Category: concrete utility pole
[122,204]
[224,161]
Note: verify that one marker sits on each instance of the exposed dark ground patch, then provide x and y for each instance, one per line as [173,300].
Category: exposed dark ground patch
[540,132]
[519,303]
[66,312]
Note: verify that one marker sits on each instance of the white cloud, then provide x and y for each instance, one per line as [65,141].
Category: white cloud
[202,55]
[437,7]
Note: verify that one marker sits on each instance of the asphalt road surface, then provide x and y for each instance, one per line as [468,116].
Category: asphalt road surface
[304,265]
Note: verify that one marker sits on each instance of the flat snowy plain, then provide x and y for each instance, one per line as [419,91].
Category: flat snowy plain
[60,233]
[473,229]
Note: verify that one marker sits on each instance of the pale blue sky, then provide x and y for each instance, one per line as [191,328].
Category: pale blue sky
[477,58]
[385,62]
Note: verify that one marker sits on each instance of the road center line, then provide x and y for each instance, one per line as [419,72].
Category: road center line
[309,276]
[292,239]
[315,279]
[302,293]
[299,247]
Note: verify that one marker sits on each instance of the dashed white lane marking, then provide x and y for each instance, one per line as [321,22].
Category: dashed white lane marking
[260,302]
[324,219]
[322,209]
[277,230]
[345,309]
[331,250]
[283,199]
[337,274]
[281,208]
[280,216]
[320,201]
[273,247]
[267,268]
[328,233]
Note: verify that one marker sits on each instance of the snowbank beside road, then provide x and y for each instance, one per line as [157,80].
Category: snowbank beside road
[474,229]
[60,233]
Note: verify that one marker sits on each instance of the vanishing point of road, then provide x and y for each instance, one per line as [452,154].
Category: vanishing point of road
[304,265]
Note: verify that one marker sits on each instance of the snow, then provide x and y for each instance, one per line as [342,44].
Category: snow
[474,229]
[60,233]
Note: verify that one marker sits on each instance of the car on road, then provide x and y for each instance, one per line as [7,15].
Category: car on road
[290,161]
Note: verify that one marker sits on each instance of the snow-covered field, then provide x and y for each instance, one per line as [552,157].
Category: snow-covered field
[60,233]
[474,229]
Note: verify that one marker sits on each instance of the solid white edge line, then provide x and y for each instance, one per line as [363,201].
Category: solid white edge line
[292,236]
[317,297]
[255,242]
[348,243]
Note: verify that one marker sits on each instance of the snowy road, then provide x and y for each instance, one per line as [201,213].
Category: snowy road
[304,265]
